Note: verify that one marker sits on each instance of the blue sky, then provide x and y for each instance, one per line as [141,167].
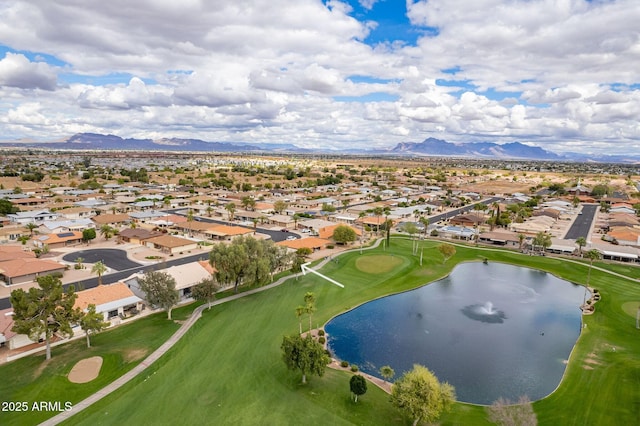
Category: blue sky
[356,73]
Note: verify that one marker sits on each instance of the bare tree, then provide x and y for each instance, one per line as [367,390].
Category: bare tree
[505,413]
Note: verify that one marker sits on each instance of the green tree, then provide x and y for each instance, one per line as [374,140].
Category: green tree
[31,226]
[79,264]
[88,234]
[230,261]
[592,255]
[581,242]
[300,258]
[358,386]
[309,306]
[447,251]
[44,311]
[231,210]
[160,290]
[92,322]
[521,238]
[190,218]
[411,229]
[387,372]
[99,268]
[206,290]
[300,311]
[600,191]
[304,354]
[420,395]
[425,222]
[329,208]
[107,231]
[248,203]
[7,207]
[280,206]
[542,240]
[378,211]
[343,234]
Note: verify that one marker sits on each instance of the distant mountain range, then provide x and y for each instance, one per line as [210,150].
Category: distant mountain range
[438,147]
[428,147]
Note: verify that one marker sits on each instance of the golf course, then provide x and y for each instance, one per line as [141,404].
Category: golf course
[228,368]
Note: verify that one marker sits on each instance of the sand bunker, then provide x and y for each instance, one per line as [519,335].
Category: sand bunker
[85,370]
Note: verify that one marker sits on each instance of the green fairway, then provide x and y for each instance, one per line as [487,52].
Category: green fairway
[377,264]
[228,369]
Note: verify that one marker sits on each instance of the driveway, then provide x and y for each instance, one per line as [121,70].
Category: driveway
[114,258]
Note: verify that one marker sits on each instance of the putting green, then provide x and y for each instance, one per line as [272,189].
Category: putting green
[377,263]
[631,308]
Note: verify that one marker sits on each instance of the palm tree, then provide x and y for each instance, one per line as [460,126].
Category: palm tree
[378,212]
[231,208]
[387,372]
[31,226]
[190,219]
[521,238]
[296,218]
[581,242]
[79,264]
[300,310]
[99,268]
[425,222]
[592,255]
[309,305]
[106,231]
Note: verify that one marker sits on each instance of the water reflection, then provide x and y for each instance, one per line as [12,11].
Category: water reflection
[490,330]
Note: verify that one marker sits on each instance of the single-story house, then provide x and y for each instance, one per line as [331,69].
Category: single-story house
[117,219]
[226,232]
[59,226]
[170,244]
[9,338]
[625,235]
[8,252]
[501,238]
[312,243]
[458,232]
[35,216]
[137,235]
[10,234]
[112,300]
[23,270]
[62,239]
[467,219]
[188,276]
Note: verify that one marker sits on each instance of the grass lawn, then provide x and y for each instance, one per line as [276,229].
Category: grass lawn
[228,370]
[32,379]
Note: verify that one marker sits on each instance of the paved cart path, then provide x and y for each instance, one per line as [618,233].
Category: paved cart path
[197,313]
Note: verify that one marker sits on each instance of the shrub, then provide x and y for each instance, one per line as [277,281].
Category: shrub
[354,368]
[344,364]
[322,340]
[321,332]
[330,246]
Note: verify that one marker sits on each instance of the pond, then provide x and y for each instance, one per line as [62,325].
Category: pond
[491,330]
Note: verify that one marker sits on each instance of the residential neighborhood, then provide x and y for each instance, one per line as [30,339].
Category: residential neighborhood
[180,208]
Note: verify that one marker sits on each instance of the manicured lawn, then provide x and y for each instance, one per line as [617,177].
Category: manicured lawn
[228,368]
[32,379]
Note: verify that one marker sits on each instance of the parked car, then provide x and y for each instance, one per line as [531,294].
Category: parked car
[291,237]
[284,230]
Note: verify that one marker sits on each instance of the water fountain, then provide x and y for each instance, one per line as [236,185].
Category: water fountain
[484,313]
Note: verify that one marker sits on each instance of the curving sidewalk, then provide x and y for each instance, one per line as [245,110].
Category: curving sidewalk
[196,314]
[155,355]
